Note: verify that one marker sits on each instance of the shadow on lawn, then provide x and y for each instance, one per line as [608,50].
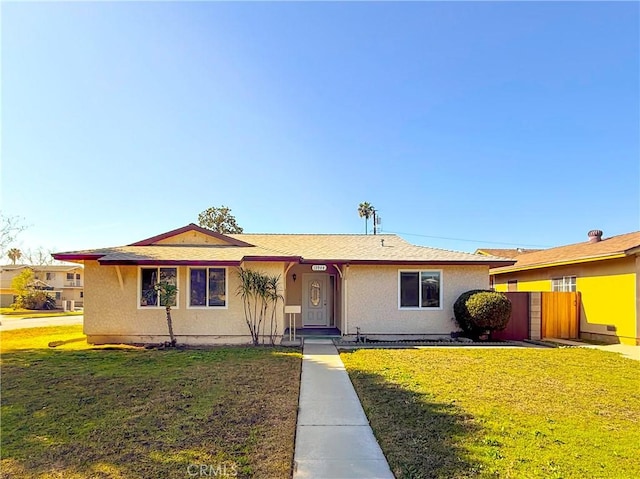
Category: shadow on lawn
[420,438]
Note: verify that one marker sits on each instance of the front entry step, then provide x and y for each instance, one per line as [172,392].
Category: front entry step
[314,333]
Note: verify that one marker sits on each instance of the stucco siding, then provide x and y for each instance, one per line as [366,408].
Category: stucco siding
[191,238]
[112,311]
[372,300]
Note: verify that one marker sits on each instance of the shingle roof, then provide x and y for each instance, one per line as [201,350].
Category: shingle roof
[585,251]
[505,252]
[283,247]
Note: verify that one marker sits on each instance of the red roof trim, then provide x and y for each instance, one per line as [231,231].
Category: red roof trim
[76,256]
[129,262]
[272,258]
[185,229]
[491,264]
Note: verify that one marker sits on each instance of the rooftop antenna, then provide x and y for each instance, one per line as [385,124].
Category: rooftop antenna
[377,222]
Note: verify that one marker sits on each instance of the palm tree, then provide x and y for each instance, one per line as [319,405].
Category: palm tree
[366,210]
[14,255]
[168,293]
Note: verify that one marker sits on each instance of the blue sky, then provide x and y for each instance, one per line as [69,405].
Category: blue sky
[498,123]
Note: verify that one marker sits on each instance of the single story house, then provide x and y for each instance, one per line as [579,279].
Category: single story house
[63,281]
[605,272]
[378,285]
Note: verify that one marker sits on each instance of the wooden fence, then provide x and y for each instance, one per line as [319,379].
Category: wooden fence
[560,315]
[519,326]
[538,315]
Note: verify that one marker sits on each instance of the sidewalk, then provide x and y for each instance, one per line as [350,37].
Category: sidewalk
[8,322]
[628,351]
[333,437]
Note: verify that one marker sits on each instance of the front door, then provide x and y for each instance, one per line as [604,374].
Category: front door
[315,311]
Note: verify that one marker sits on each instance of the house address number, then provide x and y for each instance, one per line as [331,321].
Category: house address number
[319,267]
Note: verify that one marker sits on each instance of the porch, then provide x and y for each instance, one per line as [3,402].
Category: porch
[313,300]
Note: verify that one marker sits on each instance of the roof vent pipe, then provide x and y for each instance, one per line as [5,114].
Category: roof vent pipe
[594,236]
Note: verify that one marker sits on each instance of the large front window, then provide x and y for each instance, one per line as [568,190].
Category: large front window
[208,287]
[420,289]
[149,277]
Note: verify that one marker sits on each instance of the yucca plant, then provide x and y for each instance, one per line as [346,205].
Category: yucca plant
[259,293]
[273,284]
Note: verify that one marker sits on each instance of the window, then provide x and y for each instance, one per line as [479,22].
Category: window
[208,287]
[78,276]
[149,277]
[58,295]
[420,289]
[566,284]
[69,276]
[50,276]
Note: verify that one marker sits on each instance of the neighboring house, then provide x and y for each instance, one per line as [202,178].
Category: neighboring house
[64,282]
[374,284]
[504,252]
[604,271]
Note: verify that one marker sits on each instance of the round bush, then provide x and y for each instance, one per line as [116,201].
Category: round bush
[478,310]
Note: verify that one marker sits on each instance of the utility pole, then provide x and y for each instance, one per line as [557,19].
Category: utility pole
[375,226]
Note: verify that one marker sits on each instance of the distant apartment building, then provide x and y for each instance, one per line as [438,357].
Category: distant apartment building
[64,282]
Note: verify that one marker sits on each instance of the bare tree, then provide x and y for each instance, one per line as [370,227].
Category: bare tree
[10,228]
[38,257]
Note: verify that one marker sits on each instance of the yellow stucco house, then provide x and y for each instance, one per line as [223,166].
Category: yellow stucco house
[604,271]
[378,285]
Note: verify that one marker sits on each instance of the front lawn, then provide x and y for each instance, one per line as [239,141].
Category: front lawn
[521,413]
[79,412]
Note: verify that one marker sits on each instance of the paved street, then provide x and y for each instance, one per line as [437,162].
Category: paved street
[8,322]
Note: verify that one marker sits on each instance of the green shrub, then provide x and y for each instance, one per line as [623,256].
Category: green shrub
[479,310]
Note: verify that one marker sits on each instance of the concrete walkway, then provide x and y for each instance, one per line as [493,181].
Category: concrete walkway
[8,322]
[628,351]
[333,437]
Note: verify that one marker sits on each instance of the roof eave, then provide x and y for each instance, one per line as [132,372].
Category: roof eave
[410,262]
[264,259]
[633,250]
[560,263]
[165,262]
[75,257]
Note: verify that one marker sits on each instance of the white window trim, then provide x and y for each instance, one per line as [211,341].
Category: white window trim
[420,308]
[565,281]
[139,287]
[226,287]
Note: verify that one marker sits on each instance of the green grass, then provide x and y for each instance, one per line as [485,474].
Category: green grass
[521,413]
[79,412]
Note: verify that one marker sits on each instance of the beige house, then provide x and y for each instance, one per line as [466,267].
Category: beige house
[378,285]
[65,282]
